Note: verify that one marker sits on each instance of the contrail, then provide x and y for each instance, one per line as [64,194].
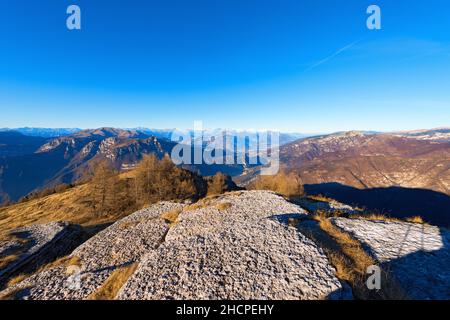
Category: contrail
[338,52]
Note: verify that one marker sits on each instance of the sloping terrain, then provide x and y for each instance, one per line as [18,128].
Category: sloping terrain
[417,255]
[27,248]
[233,246]
[13,143]
[438,134]
[370,161]
[67,206]
[237,247]
[65,159]
[240,245]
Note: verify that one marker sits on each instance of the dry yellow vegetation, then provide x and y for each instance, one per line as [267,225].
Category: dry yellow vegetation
[6,260]
[172,215]
[223,206]
[415,219]
[112,285]
[14,254]
[320,198]
[70,206]
[381,217]
[286,184]
[63,261]
[17,279]
[351,261]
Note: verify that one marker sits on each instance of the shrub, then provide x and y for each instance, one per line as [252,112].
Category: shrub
[110,288]
[157,180]
[288,185]
[220,183]
[416,219]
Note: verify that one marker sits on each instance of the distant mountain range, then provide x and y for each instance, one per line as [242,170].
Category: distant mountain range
[43,132]
[28,163]
[63,159]
[439,134]
[371,160]
[159,133]
[414,159]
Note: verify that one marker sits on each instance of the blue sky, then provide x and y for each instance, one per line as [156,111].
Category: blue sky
[291,65]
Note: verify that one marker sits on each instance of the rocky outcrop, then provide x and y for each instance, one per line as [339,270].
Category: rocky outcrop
[236,246]
[330,207]
[418,255]
[241,245]
[119,245]
[36,245]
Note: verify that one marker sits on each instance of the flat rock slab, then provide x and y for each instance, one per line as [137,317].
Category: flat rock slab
[238,246]
[118,245]
[417,254]
[245,251]
[331,206]
[36,244]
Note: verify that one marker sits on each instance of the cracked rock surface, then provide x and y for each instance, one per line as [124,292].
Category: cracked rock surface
[37,243]
[118,245]
[417,254]
[246,251]
[235,246]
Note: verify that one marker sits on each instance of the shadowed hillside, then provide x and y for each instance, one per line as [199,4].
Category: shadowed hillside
[433,207]
[370,161]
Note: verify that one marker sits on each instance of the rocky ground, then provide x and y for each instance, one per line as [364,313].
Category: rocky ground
[241,245]
[120,244]
[37,244]
[245,251]
[418,255]
[330,206]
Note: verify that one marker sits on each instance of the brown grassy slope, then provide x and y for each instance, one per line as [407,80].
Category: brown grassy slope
[370,161]
[350,260]
[70,206]
[111,287]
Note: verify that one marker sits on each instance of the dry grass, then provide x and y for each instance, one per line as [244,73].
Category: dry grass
[416,219]
[235,193]
[223,206]
[64,261]
[350,248]
[13,295]
[171,216]
[320,198]
[381,217]
[202,203]
[17,279]
[68,206]
[351,261]
[6,260]
[375,217]
[15,254]
[112,285]
[286,184]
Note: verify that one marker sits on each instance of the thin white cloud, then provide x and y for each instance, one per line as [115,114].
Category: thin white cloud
[330,57]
